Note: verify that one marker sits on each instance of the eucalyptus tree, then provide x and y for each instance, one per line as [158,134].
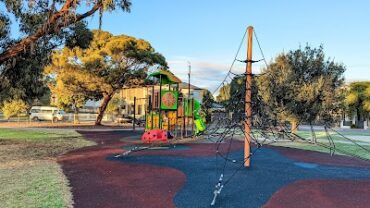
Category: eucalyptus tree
[207,104]
[30,30]
[302,85]
[107,65]
[358,100]
[44,18]
[224,93]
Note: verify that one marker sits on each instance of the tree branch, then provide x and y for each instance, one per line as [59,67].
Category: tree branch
[45,29]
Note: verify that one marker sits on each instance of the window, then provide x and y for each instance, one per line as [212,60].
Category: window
[156,100]
[139,109]
[35,110]
[46,111]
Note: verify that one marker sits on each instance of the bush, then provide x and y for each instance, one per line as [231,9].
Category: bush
[13,108]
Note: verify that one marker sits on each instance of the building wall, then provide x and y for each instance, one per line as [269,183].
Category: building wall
[142,95]
[127,96]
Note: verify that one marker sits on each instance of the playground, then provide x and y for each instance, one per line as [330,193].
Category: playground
[170,177]
[177,159]
[172,111]
[184,104]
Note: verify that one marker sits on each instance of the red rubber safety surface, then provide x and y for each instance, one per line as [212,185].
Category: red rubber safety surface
[196,150]
[322,194]
[98,182]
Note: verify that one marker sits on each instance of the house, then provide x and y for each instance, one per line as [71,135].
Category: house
[143,96]
[351,120]
[356,118]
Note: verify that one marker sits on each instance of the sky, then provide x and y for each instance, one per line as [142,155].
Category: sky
[207,33]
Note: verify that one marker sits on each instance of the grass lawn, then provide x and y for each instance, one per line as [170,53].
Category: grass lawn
[29,173]
[36,134]
[342,145]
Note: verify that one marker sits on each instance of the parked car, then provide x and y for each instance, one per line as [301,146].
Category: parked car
[129,119]
[138,121]
[46,113]
[123,120]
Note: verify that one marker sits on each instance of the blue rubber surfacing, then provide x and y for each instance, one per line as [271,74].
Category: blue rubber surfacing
[250,187]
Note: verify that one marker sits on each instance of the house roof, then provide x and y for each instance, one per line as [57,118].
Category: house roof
[184,85]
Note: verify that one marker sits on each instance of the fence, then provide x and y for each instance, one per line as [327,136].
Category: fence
[67,117]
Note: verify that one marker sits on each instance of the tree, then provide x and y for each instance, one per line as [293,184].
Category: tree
[14,108]
[70,88]
[110,63]
[224,93]
[236,101]
[207,103]
[358,100]
[23,78]
[301,86]
[46,18]
[114,105]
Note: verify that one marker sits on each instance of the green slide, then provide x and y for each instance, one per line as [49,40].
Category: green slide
[198,120]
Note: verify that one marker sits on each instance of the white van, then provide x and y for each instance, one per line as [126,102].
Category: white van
[46,113]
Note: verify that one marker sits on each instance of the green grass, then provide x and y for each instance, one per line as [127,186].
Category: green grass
[348,148]
[29,173]
[36,184]
[36,134]
[342,145]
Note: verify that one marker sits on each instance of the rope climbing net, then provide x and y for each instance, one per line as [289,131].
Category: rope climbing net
[228,127]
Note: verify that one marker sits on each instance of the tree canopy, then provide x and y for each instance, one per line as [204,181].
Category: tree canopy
[224,93]
[44,18]
[108,64]
[14,108]
[23,79]
[38,27]
[358,100]
[302,85]
[207,104]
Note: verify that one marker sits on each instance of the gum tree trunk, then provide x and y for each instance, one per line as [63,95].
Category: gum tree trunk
[76,119]
[294,126]
[103,107]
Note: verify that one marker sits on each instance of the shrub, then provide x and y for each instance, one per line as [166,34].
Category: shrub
[13,108]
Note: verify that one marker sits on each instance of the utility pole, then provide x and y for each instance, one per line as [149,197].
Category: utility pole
[189,72]
[248,100]
[188,100]
[133,122]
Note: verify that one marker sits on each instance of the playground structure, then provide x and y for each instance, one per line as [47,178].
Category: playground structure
[174,111]
[171,111]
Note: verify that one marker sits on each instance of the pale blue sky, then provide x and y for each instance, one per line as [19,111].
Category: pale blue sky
[207,32]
